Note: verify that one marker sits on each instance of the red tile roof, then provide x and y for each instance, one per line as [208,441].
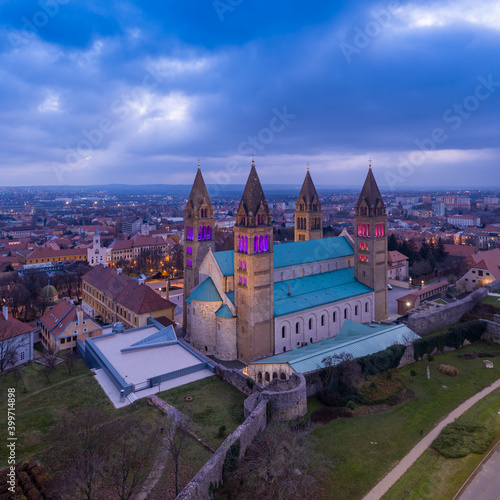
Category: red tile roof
[126,291]
[45,253]
[395,256]
[12,328]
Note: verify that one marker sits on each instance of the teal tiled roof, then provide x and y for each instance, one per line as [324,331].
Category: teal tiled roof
[306,252]
[225,260]
[294,254]
[206,292]
[230,296]
[316,290]
[224,312]
[354,338]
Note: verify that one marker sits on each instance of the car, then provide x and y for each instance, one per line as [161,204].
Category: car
[389,287]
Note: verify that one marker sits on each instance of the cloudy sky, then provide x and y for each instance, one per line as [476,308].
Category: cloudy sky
[95,92]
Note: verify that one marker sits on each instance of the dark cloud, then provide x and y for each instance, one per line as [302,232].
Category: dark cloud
[140,89]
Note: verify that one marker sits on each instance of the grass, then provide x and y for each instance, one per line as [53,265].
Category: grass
[215,403]
[359,463]
[432,475]
[441,330]
[440,301]
[492,300]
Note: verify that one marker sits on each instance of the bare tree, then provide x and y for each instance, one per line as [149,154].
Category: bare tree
[128,466]
[81,447]
[49,361]
[70,358]
[175,440]
[10,341]
[282,464]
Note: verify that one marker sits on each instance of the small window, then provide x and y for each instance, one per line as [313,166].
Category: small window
[310,324]
[322,320]
[283,332]
[366,307]
[302,271]
[355,310]
[345,313]
[284,349]
[297,327]
[63,341]
[311,340]
[334,316]
[203,313]
[74,338]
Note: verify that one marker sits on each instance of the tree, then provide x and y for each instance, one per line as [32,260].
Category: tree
[81,447]
[70,359]
[134,442]
[10,342]
[282,464]
[392,243]
[175,439]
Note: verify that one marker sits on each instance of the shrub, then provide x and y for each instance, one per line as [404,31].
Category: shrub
[221,431]
[388,374]
[383,360]
[380,389]
[327,414]
[329,398]
[448,370]
[430,358]
[351,405]
[373,385]
[413,373]
[458,439]
[299,423]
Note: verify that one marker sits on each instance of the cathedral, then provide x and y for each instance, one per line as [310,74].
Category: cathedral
[262,299]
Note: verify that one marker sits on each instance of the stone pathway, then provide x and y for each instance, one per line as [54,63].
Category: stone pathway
[406,462]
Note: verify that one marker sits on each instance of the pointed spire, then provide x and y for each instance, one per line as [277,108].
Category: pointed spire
[308,191]
[199,192]
[370,192]
[253,195]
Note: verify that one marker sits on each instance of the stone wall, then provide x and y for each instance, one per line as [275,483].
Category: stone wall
[429,321]
[287,399]
[211,472]
[492,332]
[237,379]
[226,338]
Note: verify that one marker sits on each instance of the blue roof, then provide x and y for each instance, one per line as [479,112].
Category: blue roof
[294,254]
[225,260]
[164,336]
[224,312]
[206,292]
[305,252]
[354,338]
[230,296]
[316,290]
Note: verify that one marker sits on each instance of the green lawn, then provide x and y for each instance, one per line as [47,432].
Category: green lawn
[215,403]
[359,463]
[432,475]
[38,405]
[492,300]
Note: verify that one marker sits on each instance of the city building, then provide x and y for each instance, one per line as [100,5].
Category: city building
[262,299]
[64,324]
[16,341]
[415,298]
[136,246]
[97,254]
[398,267]
[44,255]
[489,237]
[464,220]
[114,297]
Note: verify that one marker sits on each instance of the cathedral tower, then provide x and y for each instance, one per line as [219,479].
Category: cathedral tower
[370,244]
[254,273]
[198,236]
[308,215]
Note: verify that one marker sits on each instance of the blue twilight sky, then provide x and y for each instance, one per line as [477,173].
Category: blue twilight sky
[95,92]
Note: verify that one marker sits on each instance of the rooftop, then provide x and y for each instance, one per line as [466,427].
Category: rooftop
[354,338]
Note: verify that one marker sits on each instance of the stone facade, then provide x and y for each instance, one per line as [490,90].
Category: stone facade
[429,321]
[211,473]
[203,327]
[226,339]
[308,214]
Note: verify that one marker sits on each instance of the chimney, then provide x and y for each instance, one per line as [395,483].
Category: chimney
[79,316]
[289,289]
[5,311]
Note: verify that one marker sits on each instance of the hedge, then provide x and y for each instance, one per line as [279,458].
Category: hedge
[454,337]
[383,360]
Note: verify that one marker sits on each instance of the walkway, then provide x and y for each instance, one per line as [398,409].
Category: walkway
[406,462]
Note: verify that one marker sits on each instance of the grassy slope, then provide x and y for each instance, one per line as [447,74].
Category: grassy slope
[359,464]
[215,403]
[434,476]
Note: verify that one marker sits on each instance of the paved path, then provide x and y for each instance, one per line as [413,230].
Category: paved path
[485,483]
[406,462]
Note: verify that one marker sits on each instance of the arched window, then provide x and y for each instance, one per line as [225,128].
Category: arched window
[297,327]
[266,243]
[310,324]
[366,307]
[209,232]
[259,377]
[283,374]
[261,243]
[275,375]
[322,320]
[355,310]
[345,313]
[255,244]
[334,316]
[283,332]
[267,377]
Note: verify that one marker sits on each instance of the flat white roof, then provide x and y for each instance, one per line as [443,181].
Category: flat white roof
[138,365]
